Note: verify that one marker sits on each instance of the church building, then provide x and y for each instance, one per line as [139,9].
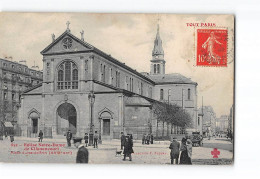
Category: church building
[86,90]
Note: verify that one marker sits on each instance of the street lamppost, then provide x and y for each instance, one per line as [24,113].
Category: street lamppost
[91,98]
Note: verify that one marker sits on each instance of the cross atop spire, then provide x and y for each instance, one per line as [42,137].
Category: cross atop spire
[158,22]
[68,26]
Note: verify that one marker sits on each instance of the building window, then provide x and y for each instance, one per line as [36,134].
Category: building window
[150,92]
[141,88]
[104,74]
[188,94]
[132,85]
[5,86]
[154,68]
[13,96]
[5,65]
[5,96]
[161,94]
[111,76]
[169,95]
[67,76]
[126,84]
[13,66]
[158,68]
[117,79]
[198,121]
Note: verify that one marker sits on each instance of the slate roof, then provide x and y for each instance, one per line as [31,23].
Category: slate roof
[173,78]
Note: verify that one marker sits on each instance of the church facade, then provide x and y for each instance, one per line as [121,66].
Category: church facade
[86,90]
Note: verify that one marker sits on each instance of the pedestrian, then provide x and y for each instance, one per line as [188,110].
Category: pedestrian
[122,140]
[40,136]
[86,139]
[143,139]
[96,140]
[151,138]
[146,136]
[175,151]
[69,137]
[184,159]
[189,150]
[148,139]
[82,154]
[128,148]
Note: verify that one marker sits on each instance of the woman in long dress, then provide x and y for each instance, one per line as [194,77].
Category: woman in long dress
[185,159]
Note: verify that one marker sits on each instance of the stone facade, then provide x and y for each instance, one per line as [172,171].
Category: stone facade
[76,73]
[15,78]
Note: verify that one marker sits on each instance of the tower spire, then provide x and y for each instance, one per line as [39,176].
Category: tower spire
[157,62]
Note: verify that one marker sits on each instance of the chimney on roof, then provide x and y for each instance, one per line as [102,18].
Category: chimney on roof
[35,67]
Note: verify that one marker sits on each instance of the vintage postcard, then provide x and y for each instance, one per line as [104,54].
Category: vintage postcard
[116,88]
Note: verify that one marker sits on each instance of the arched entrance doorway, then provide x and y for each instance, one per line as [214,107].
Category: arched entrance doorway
[34,117]
[66,119]
[105,117]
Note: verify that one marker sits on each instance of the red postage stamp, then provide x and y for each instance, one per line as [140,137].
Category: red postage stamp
[212,47]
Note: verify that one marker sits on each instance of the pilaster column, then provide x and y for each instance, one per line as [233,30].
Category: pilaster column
[52,71]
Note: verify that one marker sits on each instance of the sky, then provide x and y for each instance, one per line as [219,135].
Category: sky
[128,38]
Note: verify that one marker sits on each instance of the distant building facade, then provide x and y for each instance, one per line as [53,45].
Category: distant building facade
[222,123]
[15,78]
[85,88]
[208,120]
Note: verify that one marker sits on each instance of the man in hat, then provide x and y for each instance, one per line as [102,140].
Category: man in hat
[69,137]
[175,150]
[40,136]
[82,154]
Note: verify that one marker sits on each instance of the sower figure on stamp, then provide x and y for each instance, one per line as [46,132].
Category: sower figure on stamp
[86,139]
[69,137]
[82,154]
[40,136]
[175,151]
[128,148]
[122,140]
[96,140]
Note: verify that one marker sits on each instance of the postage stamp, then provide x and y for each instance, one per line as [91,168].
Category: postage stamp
[212,47]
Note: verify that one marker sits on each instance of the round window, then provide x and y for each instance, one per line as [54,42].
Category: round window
[67,43]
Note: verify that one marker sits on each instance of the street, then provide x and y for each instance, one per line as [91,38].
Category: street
[28,150]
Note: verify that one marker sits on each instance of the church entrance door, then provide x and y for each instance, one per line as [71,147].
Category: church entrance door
[66,119]
[106,127]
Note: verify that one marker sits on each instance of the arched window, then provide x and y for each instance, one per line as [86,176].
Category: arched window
[154,68]
[158,68]
[188,94]
[67,76]
[161,94]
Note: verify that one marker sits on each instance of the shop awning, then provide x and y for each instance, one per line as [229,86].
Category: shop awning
[8,124]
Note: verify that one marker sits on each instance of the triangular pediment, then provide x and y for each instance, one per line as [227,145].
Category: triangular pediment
[67,43]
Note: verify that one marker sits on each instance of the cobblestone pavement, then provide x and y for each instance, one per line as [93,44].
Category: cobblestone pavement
[158,153]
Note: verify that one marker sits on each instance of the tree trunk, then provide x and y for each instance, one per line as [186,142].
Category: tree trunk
[167,124]
[157,128]
[163,129]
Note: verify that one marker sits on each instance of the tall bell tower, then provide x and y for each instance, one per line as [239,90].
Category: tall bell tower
[157,62]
